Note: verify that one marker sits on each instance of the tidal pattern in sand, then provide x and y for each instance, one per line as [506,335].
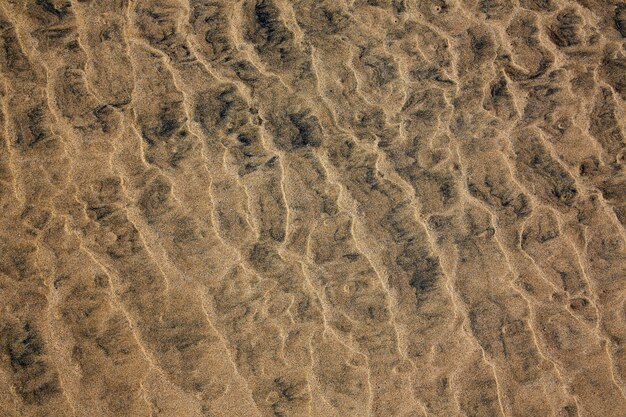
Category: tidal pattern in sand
[335,208]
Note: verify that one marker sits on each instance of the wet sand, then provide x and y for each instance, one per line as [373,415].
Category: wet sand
[335,208]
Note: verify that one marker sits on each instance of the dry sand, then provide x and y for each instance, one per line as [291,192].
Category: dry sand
[338,208]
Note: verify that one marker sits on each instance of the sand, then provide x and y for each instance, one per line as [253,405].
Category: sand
[337,208]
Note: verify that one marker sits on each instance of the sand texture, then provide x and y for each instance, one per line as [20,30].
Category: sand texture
[325,208]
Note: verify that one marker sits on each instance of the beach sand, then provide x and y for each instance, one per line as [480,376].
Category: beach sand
[336,208]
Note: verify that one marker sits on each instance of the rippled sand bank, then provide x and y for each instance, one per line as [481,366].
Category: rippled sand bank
[340,208]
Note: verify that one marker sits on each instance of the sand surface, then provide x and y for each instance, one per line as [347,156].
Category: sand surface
[336,208]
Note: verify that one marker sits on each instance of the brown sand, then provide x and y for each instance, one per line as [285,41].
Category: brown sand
[392,208]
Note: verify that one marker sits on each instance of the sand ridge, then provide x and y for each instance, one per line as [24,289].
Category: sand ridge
[312,208]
